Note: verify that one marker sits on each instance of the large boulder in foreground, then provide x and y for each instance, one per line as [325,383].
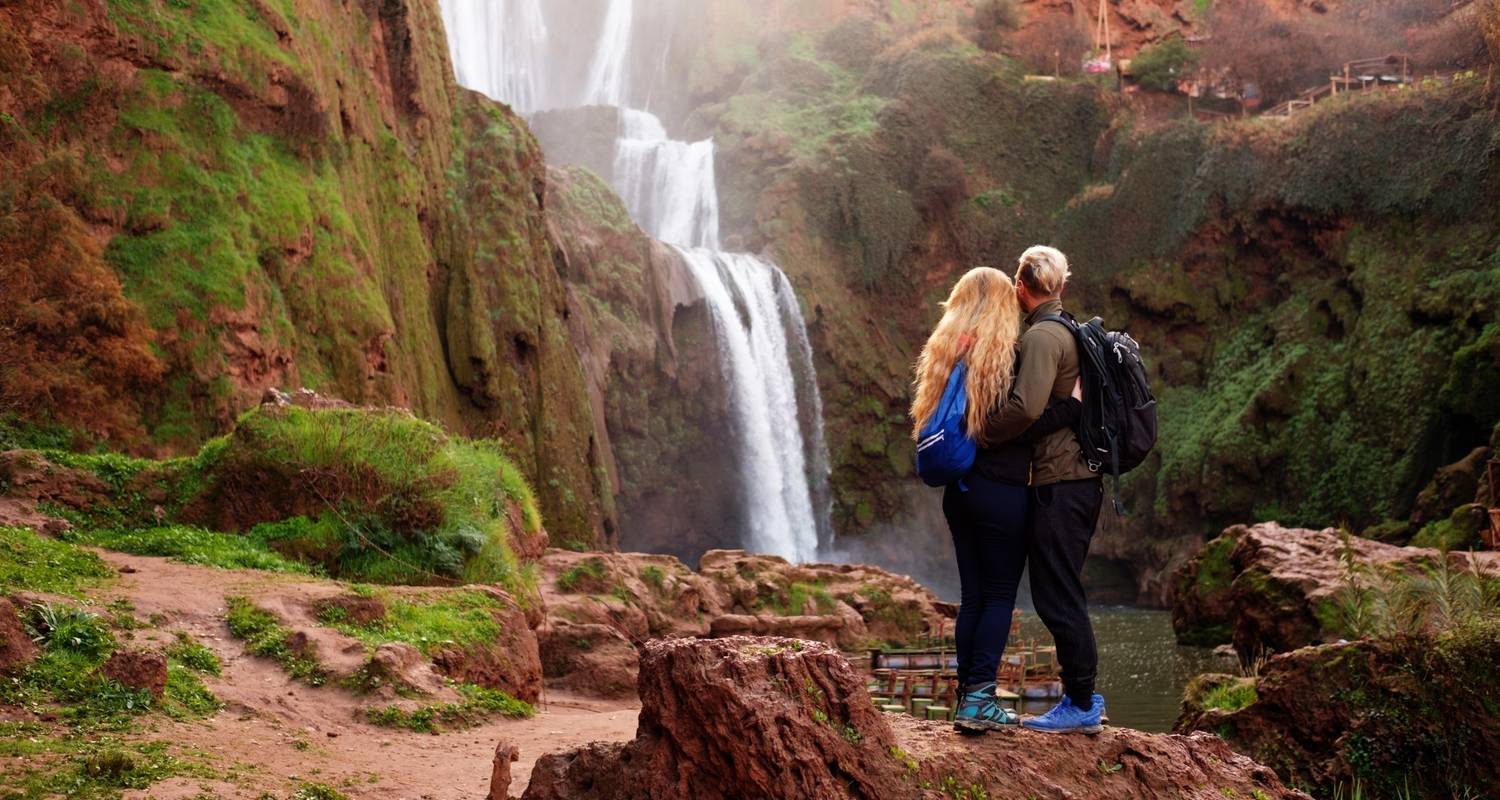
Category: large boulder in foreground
[1272,589]
[783,719]
[1406,717]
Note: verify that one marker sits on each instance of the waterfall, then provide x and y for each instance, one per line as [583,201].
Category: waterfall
[498,49]
[667,185]
[501,47]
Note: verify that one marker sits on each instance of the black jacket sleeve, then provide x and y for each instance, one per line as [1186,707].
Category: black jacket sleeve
[1059,414]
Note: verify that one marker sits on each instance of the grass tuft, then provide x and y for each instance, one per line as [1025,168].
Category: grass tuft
[265,636]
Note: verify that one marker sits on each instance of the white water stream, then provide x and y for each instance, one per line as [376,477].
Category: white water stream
[504,48]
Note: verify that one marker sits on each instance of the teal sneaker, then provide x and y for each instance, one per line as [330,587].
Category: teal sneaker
[1067,718]
[978,711]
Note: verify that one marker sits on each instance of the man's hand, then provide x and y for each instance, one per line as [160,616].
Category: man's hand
[1078,389]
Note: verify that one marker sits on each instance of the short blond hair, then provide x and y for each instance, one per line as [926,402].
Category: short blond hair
[1044,270]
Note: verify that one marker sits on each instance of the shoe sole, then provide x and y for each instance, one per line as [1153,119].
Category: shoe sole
[975,727]
[1087,729]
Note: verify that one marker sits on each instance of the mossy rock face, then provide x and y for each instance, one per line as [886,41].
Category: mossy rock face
[1411,716]
[1202,609]
[373,495]
[377,235]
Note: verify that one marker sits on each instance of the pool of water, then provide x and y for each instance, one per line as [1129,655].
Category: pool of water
[1142,669]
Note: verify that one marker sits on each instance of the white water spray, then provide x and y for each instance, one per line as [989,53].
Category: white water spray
[669,188]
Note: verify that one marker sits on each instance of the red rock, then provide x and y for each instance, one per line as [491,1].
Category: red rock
[136,669]
[589,659]
[781,719]
[16,648]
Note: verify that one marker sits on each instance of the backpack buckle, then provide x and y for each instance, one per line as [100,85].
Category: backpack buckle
[1094,465]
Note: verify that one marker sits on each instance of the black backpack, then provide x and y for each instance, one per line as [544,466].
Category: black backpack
[1117,429]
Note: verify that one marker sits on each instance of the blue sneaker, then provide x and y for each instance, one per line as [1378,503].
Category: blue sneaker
[978,711]
[1067,718]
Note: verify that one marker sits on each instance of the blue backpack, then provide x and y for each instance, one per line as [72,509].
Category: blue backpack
[945,454]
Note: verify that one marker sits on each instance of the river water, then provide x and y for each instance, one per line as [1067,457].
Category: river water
[1142,669]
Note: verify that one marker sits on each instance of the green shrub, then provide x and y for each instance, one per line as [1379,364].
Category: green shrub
[653,576]
[1162,65]
[189,653]
[1231,696]
[479,704]
[462,618]
[265,636]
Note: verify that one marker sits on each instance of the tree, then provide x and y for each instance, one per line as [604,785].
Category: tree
[993,19]
[1162,65]
[1252,45]
[1051,44]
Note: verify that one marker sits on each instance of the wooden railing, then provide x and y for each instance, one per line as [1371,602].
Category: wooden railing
[1361,74]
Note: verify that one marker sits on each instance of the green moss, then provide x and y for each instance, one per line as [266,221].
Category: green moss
[1231,696]
[1214,570]
[794,601]
[653,577]
[1461,531]
[479,704]
[29,562]
[461,618]
[584,576]
[265,636]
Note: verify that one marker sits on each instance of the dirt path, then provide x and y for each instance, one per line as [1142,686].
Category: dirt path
[274,732]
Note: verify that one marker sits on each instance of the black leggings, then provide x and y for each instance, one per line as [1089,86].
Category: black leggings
[989,537]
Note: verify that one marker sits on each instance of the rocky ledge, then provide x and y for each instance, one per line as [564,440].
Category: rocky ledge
[1269,589]
[784,718]
[1410,716]
[602,606]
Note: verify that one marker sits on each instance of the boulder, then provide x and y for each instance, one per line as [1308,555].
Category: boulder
[137,669]
[16,647]
[778,718]
[1271,589]
[1452,486]
[589,659]
[512,663]
[402,666]
[1407,717]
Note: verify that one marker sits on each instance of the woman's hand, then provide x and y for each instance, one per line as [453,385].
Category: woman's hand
[1078,389]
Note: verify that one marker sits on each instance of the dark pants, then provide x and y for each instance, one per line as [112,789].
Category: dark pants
[989,537]
[1063,516]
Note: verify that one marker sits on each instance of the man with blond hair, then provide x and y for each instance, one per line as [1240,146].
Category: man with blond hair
[1065,491]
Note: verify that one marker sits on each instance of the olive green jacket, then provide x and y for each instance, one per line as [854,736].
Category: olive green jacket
[1047,368]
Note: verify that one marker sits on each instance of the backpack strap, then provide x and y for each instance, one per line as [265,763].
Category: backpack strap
[1068,321]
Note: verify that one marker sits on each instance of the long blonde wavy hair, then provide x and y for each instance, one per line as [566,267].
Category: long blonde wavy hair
[981,321]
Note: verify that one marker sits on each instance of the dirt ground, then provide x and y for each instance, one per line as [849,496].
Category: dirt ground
[274,732]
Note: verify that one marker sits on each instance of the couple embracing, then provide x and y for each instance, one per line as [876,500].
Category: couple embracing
[1030,496]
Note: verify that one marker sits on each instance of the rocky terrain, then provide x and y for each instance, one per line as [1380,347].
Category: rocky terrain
[1407,716]
[1270,589]
[779,718]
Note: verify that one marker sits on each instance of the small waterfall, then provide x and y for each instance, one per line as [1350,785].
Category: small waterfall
[501,47]
[667,185]
[756,361]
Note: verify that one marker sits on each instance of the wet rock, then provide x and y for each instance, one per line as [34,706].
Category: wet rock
[589,659]
[16,648]
[1408,717]
[1273,589]
[1452,486]
[643,596]
[778,718]
[136,669]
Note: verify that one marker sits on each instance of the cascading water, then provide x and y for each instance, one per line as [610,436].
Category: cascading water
[669,188]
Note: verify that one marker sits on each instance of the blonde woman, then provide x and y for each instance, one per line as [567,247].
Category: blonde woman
[987,511]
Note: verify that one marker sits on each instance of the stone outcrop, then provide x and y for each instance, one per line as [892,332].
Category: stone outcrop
[601,606]
[785,719]
[141,670]
[1268,588]
[1407,717]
